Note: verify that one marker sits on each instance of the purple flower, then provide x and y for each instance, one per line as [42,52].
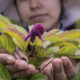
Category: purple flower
[37,30]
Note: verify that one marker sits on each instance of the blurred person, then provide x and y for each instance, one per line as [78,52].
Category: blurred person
[53,14]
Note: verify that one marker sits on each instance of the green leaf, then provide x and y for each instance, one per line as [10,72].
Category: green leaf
[54,39]
[25,45]
[37,61]
[77,55]
[4,74]
[4,22]
[17,44]
[67,51]
[21,29]
[73,41]
[17,37]
[72,34]
[77,77]
[38,76]
[40,52]
[7,43]
[61,44]
[23,79]
[46,44]
[14,33]
[38,42]
[50,33]
[52,50]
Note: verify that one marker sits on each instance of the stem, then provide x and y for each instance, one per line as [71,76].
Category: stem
[46,64]
[26,57]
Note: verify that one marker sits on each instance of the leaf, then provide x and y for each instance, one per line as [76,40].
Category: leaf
[38,42]
[18,44]
[25,45]
[73,41]
[20,29]
[17,37]
[37,61]
[77,55]
[13,32]
[72,34]
[23,79]
[40,52]
[77,52]
[46,44]
[4,74]
[66,51]
[54,39]
[52,50]
[7,43]
[77,77]
[77,26]
[61,44]
[50,33]
[16,32]
[4,22]
[38,76]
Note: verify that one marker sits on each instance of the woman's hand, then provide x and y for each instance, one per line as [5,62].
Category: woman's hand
[60,69]
[16,64]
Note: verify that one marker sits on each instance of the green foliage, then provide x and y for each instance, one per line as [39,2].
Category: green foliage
[77,77]
[15,33]
[4,22]
[4,74]
[7,43]
[54,43]
[38,76]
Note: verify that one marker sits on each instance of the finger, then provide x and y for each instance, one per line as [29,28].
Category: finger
[18,66]
[6,59]
[58,70]
[48,71]
[76,63]
[12,68]
[16,55]
[3,50]
[69,68]
[25,73]
[20,54]
[31,69]
[45,64]
[21,64]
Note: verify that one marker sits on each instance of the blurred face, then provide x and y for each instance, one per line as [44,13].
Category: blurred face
[46,12]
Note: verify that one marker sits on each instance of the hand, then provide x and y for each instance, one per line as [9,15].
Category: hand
[60,69]
[15,65]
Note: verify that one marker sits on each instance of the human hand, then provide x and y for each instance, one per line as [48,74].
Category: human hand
[60,69]
[16,64]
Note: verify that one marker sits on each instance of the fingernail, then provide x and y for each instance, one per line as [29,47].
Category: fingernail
[65,63]
[57,65]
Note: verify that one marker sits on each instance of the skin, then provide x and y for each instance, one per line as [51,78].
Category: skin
[60,68]
[15,65]
[51,10]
